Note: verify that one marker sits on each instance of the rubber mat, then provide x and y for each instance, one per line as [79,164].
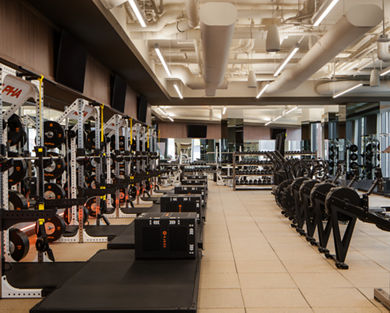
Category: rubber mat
[113,281]
[125,240]
[46,275]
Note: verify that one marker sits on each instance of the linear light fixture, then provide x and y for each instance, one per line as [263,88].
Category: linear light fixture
[162,60]
[266,124]
[262,91]
[291,110]
[323,11]
[385,71]
[224,111]
[347,90]
[178,91]
[277,118]
[137,12]
[170,118]
[285,62]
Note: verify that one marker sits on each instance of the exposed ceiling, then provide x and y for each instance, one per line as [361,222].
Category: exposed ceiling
[185,36]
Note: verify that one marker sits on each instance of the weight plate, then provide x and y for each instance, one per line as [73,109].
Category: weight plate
[16,133]
[55,167]
[17,201]
[18,171]
[353,157]
[90,142]
[369,147]
[19,244]
[54,135]
[54,227]
[91,206]
[53,191]
[353,148]
[354,165]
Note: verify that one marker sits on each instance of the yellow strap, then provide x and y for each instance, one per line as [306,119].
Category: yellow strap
[40,106]
[101,123]
[147,138]
[158,135]
[131,131]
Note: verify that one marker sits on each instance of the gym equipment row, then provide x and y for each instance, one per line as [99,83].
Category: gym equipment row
[79,167]
[161,273]
[318,204]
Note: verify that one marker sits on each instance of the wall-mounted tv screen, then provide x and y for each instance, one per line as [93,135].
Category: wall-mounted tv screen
[196,131]
[118,93]
[71,60]
[142,108]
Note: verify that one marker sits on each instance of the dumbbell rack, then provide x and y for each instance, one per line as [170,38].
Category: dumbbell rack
[237,165]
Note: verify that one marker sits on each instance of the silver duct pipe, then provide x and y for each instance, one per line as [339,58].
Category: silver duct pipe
[354,24]
[217,22]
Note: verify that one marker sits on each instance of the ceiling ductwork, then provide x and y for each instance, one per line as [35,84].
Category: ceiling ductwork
[190,80]
[192,12]
[352,26]
[334,87]
[217,20]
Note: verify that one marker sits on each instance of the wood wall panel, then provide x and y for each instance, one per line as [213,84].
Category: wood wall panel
[97,81]
[131,102]
[25,39]
[179,130]
[256,133]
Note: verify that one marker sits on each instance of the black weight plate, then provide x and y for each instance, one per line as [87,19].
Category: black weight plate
[17,201]
[341,193]
[16,133]
[54,135]
[353,148]
[68,217]
[369,147]
[55,167]
[18,171]
[19,244]
[353,156]
[54,226]
[91,206]
[90,142]
[53,191]
[354,165]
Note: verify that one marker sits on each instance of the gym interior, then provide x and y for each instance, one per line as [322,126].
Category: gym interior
[186,156]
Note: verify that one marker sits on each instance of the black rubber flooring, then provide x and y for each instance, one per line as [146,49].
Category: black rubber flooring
[46,275]
[113,281]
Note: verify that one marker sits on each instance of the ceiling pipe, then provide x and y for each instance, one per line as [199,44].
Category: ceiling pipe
[217,22]
[110,4]
[354,24]
[333,87]
[192,12]
[191,80]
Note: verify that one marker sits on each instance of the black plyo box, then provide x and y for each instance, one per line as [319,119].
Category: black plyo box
[182,203]
[166,236]
[192,189]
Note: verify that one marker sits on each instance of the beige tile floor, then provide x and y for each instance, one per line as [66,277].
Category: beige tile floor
[254,262]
